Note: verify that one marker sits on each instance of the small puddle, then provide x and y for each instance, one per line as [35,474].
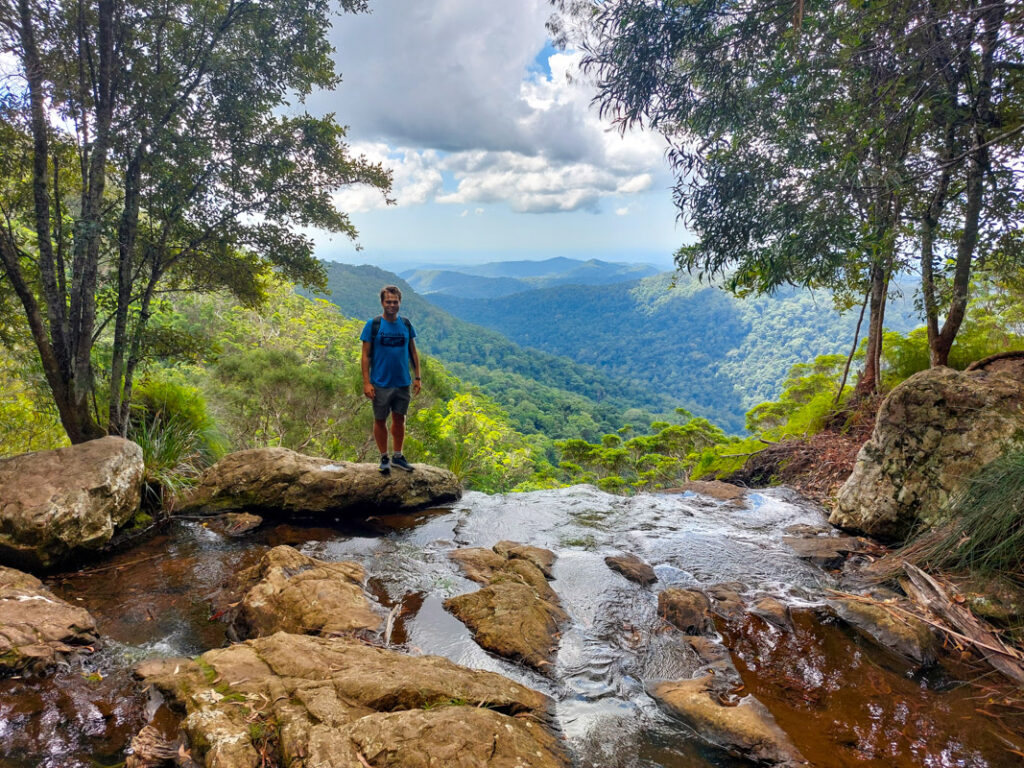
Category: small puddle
[843,702]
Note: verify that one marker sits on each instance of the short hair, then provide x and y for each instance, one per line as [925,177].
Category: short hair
[390,289]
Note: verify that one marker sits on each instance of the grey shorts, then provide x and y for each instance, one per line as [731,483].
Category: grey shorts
[390,400]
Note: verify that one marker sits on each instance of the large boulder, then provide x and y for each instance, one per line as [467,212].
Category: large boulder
[288,591]
[37,628]
[56,504]
[933,432]
[517,614]
[277,480]
[337,703]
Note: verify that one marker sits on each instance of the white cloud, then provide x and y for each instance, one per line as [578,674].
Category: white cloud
[451,86]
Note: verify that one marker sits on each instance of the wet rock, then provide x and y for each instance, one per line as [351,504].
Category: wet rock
[997,599]
[57,504]
[288,591]
[37,628]
[633,568]
[905,635]
[806,530]
[746,729]
[933,432]
[716,659]
[283,482]
[150,749]
[772,611]
[516,615]
[330,702]
[686,609]
[544,559]
[726,599]
[829,552]
[235,523]
[716,489]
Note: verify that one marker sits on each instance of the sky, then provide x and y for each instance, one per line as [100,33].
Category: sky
[496,150]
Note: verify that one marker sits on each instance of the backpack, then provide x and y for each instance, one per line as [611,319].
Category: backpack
[375,329]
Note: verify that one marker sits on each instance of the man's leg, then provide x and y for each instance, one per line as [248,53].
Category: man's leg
[380,434]
[397,432]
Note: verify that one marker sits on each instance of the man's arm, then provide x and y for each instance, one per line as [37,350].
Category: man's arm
[365,362]
[414,355]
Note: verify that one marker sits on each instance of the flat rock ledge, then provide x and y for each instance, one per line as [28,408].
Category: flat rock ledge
[38,629]
[55,505]
[709,702]
[288,591]
[312,702]
[902,633]
[745,728]
[517,614]
[278,481]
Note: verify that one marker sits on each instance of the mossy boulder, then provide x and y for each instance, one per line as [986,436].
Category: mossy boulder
[933,432]
[57,505]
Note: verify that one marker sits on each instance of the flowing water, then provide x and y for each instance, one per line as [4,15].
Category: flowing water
[843,701]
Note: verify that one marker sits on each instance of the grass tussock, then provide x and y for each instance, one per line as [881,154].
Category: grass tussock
[985,535]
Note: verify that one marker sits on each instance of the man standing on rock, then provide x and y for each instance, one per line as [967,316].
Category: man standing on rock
[388,348]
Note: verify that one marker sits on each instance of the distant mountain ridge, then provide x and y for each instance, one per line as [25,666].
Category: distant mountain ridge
[497,279]
[716,354]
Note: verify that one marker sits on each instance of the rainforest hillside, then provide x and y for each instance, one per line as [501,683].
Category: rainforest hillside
[690,344]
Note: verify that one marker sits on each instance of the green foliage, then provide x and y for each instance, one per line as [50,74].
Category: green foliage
[470,436]
[987,522]
[646,462]
[808,396]
[992,326]
[28,418]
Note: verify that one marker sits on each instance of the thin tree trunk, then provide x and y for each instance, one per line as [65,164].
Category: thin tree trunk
[127,229]
[977,166]
[871,376]
[853,350]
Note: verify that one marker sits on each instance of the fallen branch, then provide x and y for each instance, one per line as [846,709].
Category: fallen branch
[929,593]
[115,566]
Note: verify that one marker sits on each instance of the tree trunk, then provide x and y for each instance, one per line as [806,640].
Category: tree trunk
[871,376]
[977,165]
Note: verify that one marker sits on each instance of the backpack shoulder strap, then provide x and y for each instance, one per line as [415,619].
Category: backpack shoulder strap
[374,330]
[408,339]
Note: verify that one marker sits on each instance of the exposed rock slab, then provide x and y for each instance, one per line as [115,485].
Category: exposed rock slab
[633,568]
[288,591]
[746,729]
[906,635]
[37,628]
[686,609]
[55,504]
[516,615]
[829,552]
[338,703]
[716,489]
[933,432]
[283,482]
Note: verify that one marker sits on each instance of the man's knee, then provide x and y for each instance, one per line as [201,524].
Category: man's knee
[397,420]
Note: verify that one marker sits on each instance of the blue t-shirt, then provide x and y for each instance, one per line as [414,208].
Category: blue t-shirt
[390,364]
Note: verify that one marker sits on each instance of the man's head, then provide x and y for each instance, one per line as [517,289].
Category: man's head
[390,300]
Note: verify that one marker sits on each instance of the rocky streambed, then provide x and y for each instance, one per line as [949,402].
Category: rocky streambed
[547,628]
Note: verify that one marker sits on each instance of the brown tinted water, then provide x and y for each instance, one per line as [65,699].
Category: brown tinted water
[843,701]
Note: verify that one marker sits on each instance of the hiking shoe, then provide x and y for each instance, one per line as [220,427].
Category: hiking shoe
[398,460]
[385,465]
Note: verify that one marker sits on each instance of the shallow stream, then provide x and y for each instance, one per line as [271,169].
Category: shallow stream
[843,701]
